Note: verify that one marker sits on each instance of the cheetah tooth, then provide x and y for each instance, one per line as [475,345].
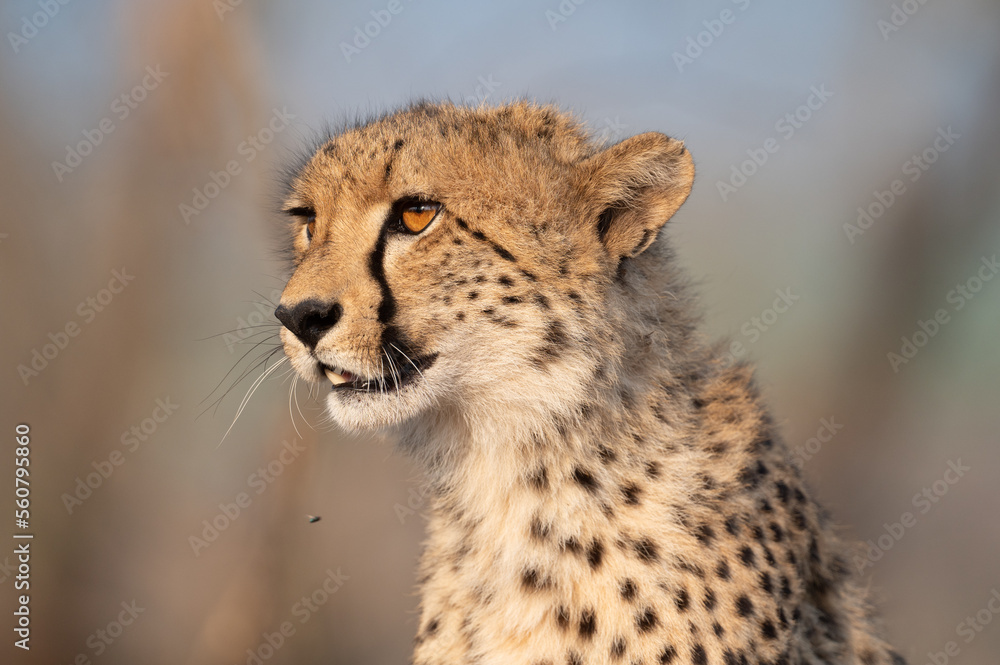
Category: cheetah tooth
[335,379]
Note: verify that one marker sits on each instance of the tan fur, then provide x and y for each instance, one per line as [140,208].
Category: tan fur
[604,488]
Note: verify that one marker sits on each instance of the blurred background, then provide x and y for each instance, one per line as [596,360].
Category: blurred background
[847,173]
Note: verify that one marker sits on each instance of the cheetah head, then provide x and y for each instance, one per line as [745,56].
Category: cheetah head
[449,259]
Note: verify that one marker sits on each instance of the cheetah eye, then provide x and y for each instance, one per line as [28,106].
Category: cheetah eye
[309,215]
[417,217]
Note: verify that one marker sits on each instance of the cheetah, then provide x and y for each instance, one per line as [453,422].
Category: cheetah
[490,286]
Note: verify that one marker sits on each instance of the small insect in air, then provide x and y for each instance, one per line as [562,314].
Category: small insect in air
[313,518]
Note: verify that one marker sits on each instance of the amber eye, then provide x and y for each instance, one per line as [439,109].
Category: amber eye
[310,228]
[416,217]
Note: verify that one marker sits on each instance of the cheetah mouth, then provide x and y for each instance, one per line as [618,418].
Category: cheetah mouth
[402,373]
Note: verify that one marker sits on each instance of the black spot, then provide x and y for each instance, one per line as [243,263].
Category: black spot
[631,494]
[653,470]
[574,296]
[730,658]
[799,520]
[749,478]
[618,648]
[595,553]
[682,600]
[606,454]
[747,556]
[799,496]
[646,620]
[473,295]
[539,479]
[628,589]
[555,335]
[782,491]
[432,627]
[588,624]
[786,587]
[646,550]
[777,535]
[717,629]
[460,316]
[758,533]
[667,655]
[571,545]
[709,601]
[505,280]
[539,531]
[573,658]
[542,301]
[732,525]
[765,582]
[768,630]
[705,534]
[532,581]
[722,570]
[562,617]
[765,506]
[511,300]
[698,655]
[743,606]
[585,479]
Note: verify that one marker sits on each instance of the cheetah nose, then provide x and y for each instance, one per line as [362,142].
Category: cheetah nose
[310,319]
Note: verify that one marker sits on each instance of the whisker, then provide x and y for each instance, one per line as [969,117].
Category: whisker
[246,399]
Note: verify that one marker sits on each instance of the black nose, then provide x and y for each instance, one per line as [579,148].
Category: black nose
[310,319]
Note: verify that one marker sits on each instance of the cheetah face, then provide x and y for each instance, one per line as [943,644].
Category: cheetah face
[452,259]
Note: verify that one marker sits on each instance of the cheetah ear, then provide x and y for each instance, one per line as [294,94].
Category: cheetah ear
[633,188]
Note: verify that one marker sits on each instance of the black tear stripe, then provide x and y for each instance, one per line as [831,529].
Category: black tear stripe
[392,341]
[376,266]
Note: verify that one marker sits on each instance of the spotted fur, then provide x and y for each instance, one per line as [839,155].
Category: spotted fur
[604,488]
